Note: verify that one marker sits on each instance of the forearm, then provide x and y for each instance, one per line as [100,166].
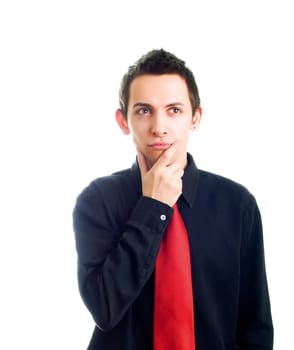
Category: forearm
[111,281]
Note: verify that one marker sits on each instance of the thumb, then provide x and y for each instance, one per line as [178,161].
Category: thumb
[142,163]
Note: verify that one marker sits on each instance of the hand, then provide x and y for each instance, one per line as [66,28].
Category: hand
[163,181]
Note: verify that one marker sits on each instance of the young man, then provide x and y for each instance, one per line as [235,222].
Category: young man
[123,221]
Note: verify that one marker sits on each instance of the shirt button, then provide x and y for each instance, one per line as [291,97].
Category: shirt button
[162,217]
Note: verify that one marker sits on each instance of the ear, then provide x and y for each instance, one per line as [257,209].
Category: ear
[122,121]
[196,118]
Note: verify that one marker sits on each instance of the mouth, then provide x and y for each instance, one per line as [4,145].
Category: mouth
[160,145]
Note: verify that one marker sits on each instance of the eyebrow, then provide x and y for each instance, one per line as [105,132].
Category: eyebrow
[175,104]
[142,104]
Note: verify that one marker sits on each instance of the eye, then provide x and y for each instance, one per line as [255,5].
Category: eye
[175,110]
[143,110]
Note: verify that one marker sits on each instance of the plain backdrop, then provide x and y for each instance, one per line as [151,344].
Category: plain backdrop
[61,63]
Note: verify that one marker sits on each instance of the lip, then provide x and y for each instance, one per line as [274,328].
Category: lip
[160,145]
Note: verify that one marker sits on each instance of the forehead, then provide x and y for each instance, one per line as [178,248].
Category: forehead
[163,88]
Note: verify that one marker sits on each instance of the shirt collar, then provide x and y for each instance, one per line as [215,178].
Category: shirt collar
[190,180]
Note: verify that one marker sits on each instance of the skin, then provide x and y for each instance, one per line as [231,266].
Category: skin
[160,119]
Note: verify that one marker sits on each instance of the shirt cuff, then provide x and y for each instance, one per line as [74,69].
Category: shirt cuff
[152,213]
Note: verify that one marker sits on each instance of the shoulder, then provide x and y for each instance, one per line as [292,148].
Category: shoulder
[224,189]
[111,191]
[220,182]
[107,185]
[108,200]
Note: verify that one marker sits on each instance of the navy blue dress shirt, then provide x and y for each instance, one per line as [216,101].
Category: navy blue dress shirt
[118,233]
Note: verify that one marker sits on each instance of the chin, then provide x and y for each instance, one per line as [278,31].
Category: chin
[152,159]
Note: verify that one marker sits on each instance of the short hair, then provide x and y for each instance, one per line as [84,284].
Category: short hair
[158,62]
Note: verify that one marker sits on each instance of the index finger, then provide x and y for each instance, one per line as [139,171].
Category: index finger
[168,156]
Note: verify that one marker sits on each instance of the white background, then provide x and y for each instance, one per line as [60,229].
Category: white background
[61,65]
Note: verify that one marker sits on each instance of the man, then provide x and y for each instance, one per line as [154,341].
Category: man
[121,222]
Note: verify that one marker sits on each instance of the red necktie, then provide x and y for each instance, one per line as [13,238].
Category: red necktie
[173,308]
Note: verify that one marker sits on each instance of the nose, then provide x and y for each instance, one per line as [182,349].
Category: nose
[158,125]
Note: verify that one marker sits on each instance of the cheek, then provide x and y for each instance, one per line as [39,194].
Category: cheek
[137,132]
[137,140]
[183,130]
[183,137]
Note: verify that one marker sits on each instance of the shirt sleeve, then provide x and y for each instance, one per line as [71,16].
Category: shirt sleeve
[255,329]
[114,264]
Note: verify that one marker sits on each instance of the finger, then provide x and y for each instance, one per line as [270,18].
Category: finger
[167,157]
[174,168]
[142,163]
[176,174]
[179,173]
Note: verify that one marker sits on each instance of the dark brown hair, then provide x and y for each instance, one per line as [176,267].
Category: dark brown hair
[158,62]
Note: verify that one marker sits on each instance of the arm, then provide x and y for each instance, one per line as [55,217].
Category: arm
[255,329]
[117,255]
[113,266]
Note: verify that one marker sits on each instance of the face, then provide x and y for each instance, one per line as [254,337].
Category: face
[159,115]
